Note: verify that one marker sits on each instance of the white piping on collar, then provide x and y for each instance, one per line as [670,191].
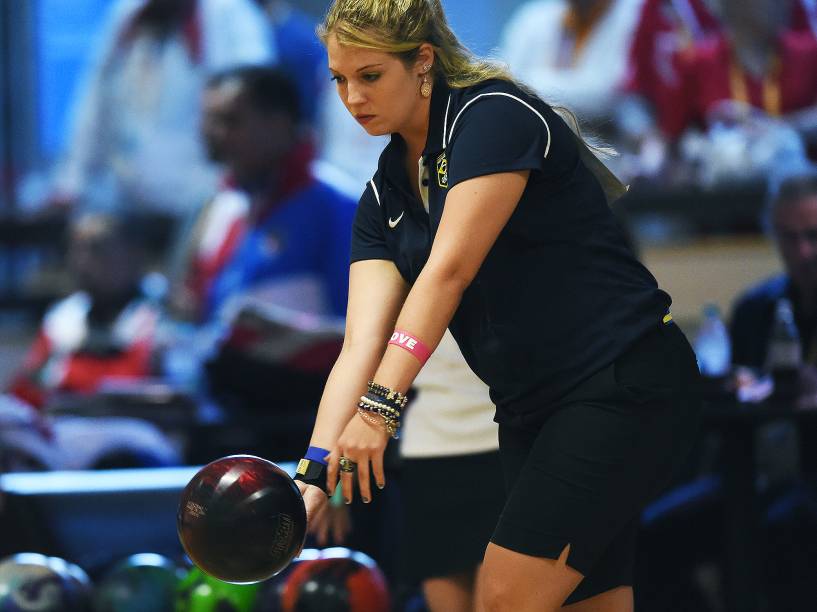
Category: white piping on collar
[445,121]
[498,93]
[374,188]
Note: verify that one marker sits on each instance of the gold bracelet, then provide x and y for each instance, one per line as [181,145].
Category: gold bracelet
[366,416]
[392,426]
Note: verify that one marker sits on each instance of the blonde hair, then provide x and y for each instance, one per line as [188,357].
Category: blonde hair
[401,26]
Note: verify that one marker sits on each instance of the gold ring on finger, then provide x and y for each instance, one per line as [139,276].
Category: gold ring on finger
[347,465]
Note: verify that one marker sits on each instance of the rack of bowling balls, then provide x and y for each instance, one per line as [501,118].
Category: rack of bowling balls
[242,522]
[328,580]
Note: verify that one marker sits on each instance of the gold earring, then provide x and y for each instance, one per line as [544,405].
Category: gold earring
[425,88]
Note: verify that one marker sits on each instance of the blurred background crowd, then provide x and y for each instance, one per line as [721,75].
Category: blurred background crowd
[178,180]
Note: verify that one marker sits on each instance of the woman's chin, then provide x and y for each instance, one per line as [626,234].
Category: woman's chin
[375,130]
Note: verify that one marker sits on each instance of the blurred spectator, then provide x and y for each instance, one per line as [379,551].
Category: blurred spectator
[106,328]
[793,222]
[299,53]
[264,278]
[756,62]
[272,232]
[699,65]
[573,52]
[792,218]
[346,155]
[804,16]
[135,134]
[668,30]
[786,455]
[688,521]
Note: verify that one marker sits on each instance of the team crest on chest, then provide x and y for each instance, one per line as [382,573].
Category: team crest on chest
[442,171]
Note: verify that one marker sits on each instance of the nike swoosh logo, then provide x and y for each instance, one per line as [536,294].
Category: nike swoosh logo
[393,222]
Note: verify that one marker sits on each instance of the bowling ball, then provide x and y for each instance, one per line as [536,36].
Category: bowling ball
[144,581]
[30,581]
[241,519]
[80,582]
[270,595]
[340,580]
[198,592]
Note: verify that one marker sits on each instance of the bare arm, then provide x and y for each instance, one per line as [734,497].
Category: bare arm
[476,210]
[376,294]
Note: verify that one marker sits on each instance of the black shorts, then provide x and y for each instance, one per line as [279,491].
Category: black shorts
[451,506]
[583,476]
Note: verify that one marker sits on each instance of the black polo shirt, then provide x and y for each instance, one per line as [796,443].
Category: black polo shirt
[560,295]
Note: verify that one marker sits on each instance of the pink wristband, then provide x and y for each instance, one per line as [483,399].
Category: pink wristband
[413,345]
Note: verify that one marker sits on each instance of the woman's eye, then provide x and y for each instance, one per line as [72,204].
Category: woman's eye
[372,76]
[336,78]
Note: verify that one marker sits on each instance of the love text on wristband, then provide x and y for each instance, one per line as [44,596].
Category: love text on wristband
[413,345]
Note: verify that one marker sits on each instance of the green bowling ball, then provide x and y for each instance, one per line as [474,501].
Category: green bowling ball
[198,592]
[145,581]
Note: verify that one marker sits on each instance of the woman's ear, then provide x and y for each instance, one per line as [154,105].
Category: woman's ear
[425,58]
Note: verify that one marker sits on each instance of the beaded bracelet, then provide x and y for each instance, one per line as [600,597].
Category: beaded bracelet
[386,413]
[371,403]
[378,401]
[384,402]
[388,394]
[390,415]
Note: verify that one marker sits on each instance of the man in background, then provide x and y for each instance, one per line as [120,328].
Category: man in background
[263,277]
[134,141]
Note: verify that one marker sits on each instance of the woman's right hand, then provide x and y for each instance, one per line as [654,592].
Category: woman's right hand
[316,503]
[333,525]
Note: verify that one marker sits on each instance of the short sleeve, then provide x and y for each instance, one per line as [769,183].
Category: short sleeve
[498,133]
[368,235]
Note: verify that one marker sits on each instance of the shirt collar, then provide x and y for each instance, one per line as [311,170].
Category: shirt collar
[437,119]
[396,149]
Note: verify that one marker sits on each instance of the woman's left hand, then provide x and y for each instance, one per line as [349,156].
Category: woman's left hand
[362,443]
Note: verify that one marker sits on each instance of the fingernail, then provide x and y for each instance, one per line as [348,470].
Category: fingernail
[365,500]
[347,501]
[381,485]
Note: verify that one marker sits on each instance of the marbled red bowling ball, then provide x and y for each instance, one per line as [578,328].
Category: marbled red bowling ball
[340,580]
[241,519]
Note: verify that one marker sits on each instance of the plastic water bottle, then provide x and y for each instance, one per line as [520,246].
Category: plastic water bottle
[784,354]
[712,346]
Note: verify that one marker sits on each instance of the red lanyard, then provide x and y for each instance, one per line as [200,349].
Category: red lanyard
[771,85]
